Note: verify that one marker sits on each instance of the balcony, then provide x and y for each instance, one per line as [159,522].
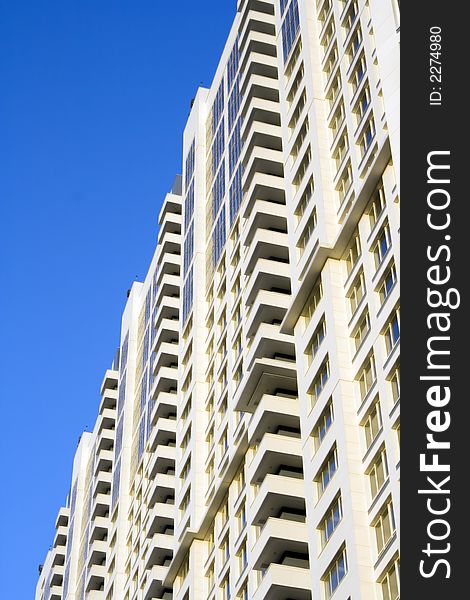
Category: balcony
[106,419]
[95,577]
[62,517]
[284,581]
[166,356]
[273,412]
[166,378]
[269,244]
[160,488]
[104,460]
[56,592]
[257,64]
[265,376]
[163,431]
[165,406]
[274,494]
[60,538]
[154,582]
[253,20]
[268,307]
[167,309]
[162,514]
[168,331]
[162,459]
[161,546]
[99,529]
[261,135]
[97,552]
[169,286]
[264,187]
[262,111]
[57,575]
[256,85]
[271,275]
[106,438]
[276,454]
[101,505]
[278,538]
[257,46]
[110,382]
[268,342]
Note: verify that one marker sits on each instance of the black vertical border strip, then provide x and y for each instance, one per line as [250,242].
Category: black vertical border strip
[425,129]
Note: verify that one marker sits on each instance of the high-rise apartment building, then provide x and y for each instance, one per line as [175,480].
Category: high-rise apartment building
[247,444]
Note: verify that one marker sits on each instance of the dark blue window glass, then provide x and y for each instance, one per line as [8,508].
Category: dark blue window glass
[290,27]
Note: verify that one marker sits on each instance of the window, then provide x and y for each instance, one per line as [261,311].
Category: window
[355,44]
[234,149]
[361,330]
[395,385]
[218,148]
[226,588]
[337,120]
[362,104]
[218,192]
[290,27]
[392,332]
[210,578]
[184,570]
[232,65]
[341,150]
[296,114]
[189,205]
[224,443]
[367,136]
[313,301]
[242,558]
[225,550]
[241,518]
[305,198]
[188,250]
[223,514]
[387,283]
[218,107]
[308,231]
[328,469]
[353,253]
[188,295]
[334,91]
[323,425]
[357,291]
[316,341]
[358,73]
[330,521]
[236,194]
[190,162]
[331,61]
[320,380]
[381,245]
[345,182]
[219,236]
[351,16]
[390,584]
[233,105]
[384,527]
[335,573]
[373,424]
[378,473]
[185,470]
[366,376]
[377,206]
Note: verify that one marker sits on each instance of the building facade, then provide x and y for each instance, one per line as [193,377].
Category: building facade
[247,444]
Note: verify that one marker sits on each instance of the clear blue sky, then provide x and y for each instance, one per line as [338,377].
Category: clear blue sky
[94,95]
